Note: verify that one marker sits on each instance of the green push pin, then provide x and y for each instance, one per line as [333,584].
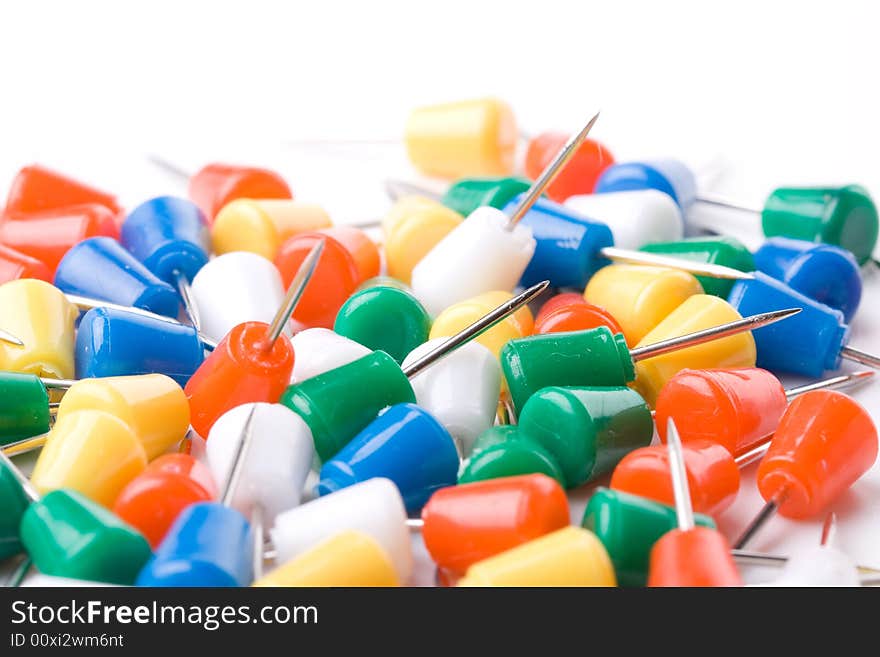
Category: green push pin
[505,451]
[25,410]
[721,250]
[844,216]
[466,195]
[628,526]
[384,319]
[587,429]
[67,535]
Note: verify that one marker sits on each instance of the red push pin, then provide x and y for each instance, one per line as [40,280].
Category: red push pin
[689,555]
[569,311]
[37,189]
[824,443]
[580,174]
[15,265]
[252,363]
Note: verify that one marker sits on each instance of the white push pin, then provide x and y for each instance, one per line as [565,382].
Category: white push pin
[488,250]
[320,350]
[235,288]
[278,463]
[461,391]
[820,565]
[373,507]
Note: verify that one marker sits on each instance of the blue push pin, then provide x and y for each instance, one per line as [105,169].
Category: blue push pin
[169,235]
[813,341]
[210,543]
[570,248]
[404,444]
[115,342]
[826,273]
[664,174]
[101,269]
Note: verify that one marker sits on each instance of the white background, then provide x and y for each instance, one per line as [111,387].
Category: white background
[785,92]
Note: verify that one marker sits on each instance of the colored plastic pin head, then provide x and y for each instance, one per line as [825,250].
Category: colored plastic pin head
[14,502]
[24,407]
[216,184]
[48,235]
[386,319]
[468,523]
[261,226]
[320,350]
[628,526]
[466,195]
[666,175]
[696,313]
[373,507]
[349,558]
[824,443]
[581,172]
[505,451]
[36,188]
[413,226]
[465,138]
[15,265]
[113,342]
[640,297]
[571,556]
[587,429]
[169,236]
[91,452]
[635,217]
[809,344]
[844,216]
[569,311]
[568,246]
[737,408]
[461,391]
[719,250]
[826,273]
[456,317]
[40,316]
[154,499]
[100,268]
[153,405]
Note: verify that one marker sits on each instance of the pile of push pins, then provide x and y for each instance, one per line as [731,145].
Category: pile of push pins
[229,390]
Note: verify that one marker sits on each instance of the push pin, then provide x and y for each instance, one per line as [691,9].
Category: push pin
[210,543]
[824,443]
[67,535]
[338,404]
[689,555]
[713,466]
[252,363]
[15,265]
[37,188]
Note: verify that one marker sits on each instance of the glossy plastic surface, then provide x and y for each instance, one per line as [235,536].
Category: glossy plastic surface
[587,429]
[845,216]
[119,343]
[826,273]
[243,368]
[216,184]
[567,251]
[24,407]
[466,195]
[824,443]
[666,175]
[320,350]
[716,250]
[404,444]
[91,452]
[695,314]
[153,405]
[411,228]
[596,357]
[699,557]
[736,408]
[208,545]
[505,451]
[168,235]
[14,503]
[384,319]
[36,188]
[15,265]
[569,311]
[580,173]
[463,138]
[41,317]
[338,404]
[101,268]
[468,523]
[640,297]
[808,343]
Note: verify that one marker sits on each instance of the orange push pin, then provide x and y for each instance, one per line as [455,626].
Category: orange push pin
[689,555]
